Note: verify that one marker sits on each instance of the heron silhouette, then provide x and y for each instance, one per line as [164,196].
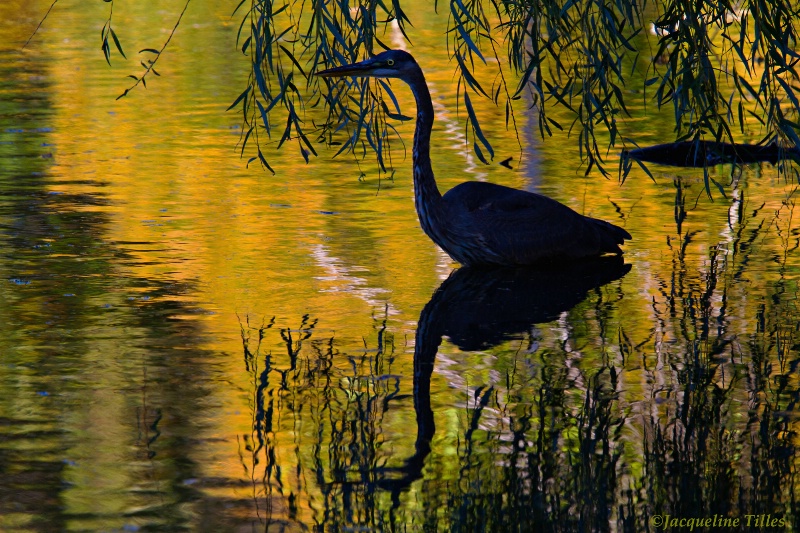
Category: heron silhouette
[479,223]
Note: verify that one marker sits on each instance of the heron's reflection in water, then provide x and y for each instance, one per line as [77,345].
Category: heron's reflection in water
[479,308]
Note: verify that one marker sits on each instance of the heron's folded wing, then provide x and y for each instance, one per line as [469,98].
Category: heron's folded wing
[520,225]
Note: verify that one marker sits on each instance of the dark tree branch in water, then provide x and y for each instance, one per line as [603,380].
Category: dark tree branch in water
[710,153]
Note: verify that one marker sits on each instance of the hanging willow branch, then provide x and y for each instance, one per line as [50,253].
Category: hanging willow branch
[722,67]
[149,66]
[715,63]
[287,41]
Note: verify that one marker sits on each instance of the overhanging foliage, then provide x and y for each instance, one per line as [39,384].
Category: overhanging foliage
[720,65]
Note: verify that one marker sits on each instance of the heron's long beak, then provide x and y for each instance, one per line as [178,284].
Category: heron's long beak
[356,69]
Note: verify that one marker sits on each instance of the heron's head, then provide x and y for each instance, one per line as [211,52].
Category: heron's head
[389,64]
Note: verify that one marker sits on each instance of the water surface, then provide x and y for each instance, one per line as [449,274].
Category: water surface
[189,344]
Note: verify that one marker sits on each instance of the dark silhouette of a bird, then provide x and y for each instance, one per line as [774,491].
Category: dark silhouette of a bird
[479,223]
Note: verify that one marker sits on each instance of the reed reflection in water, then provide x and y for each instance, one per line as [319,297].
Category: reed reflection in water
[553,444]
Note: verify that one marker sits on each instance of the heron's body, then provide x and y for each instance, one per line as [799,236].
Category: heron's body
[480,223]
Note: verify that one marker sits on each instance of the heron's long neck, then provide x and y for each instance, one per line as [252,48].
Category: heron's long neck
[426,194]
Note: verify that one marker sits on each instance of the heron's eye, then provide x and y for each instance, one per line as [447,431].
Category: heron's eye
[390,62]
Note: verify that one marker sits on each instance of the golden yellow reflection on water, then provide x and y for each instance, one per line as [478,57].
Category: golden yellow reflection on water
[125,340]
